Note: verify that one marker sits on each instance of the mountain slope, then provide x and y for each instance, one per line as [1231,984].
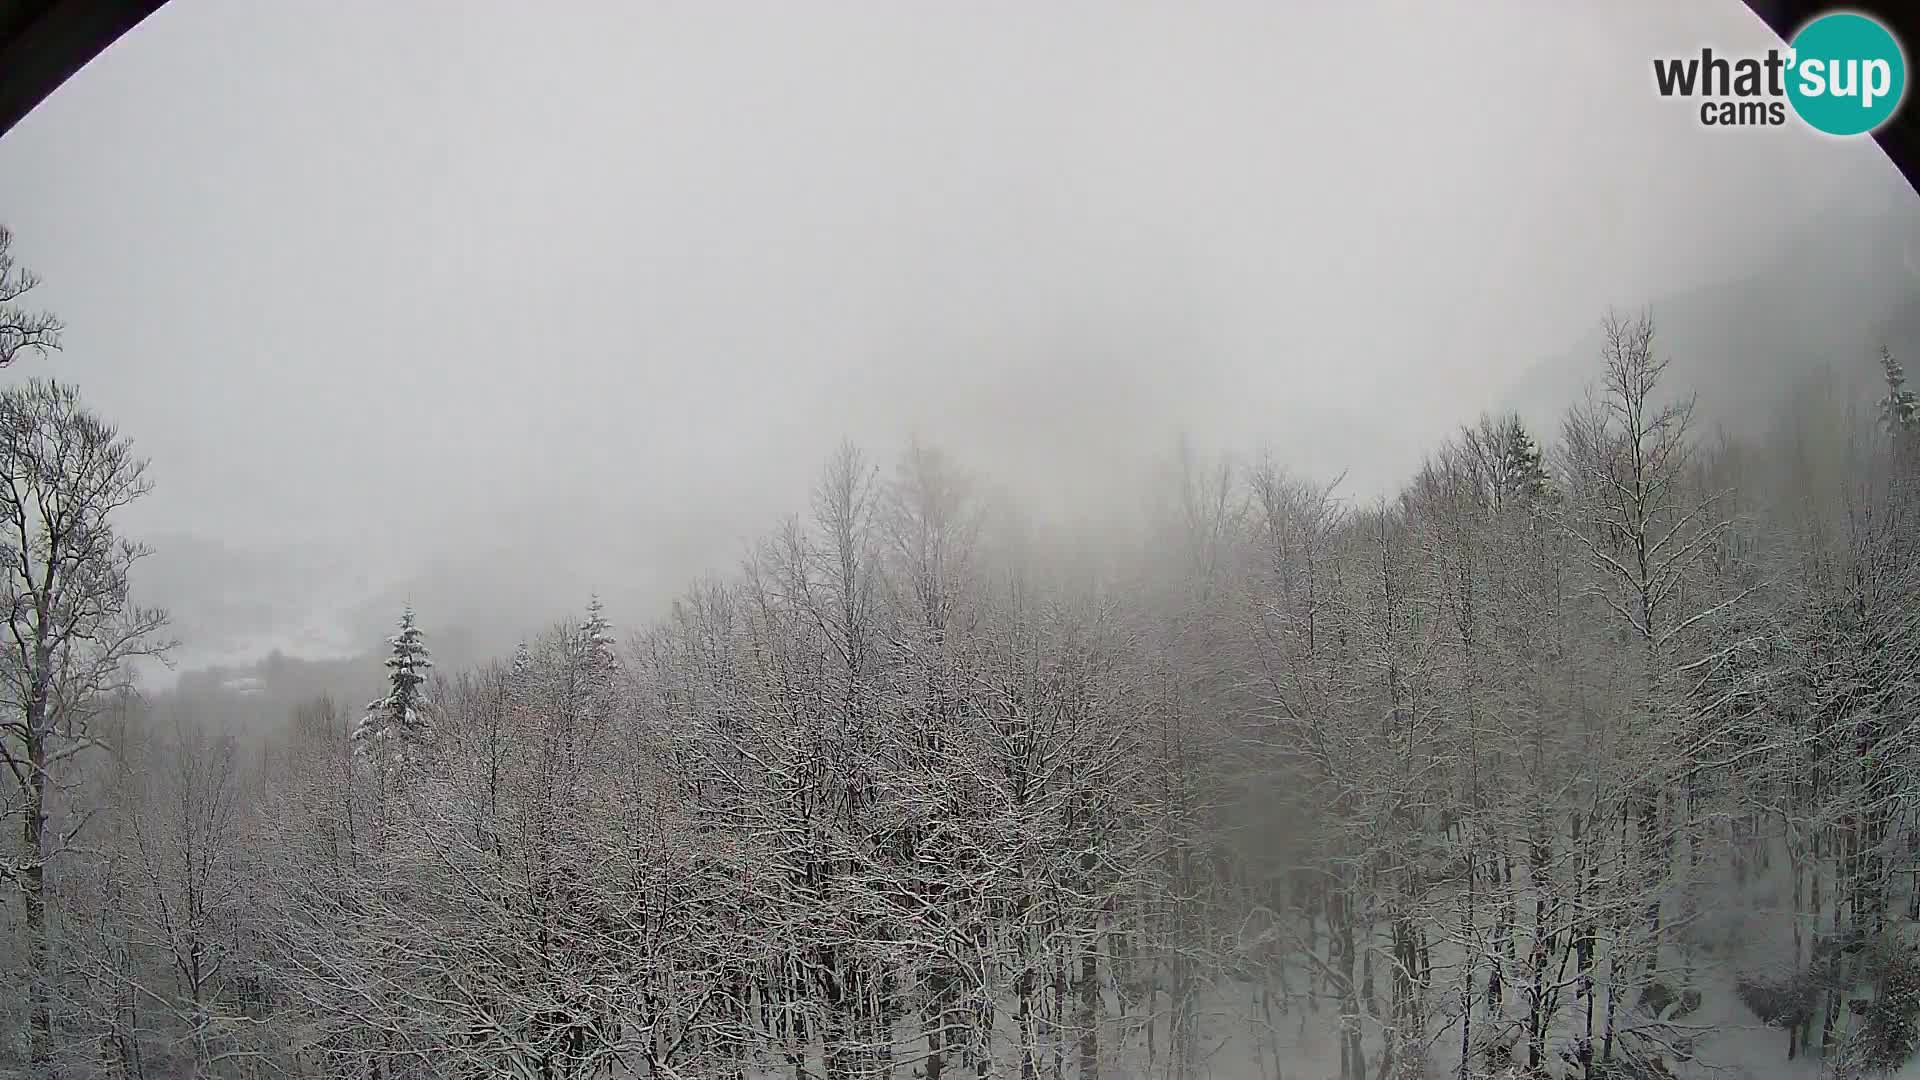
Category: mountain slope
[1841,287]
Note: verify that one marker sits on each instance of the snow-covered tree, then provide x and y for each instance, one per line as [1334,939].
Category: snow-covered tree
[398,716]
[1436,785]
[1899,409]
[596,635]
[599,657]
[1525,463]
[21,329]
[73,633]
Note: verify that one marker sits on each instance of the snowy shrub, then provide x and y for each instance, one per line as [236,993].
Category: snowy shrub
[1781,1003]
[1630,1067]
[1657,998]
[1889,1030]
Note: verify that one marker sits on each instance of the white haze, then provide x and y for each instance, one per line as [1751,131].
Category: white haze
[485,306]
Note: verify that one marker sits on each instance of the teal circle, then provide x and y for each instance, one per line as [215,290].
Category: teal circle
[1837,59]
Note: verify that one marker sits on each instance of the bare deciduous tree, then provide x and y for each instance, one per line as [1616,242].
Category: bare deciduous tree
[21,329]
[73,628]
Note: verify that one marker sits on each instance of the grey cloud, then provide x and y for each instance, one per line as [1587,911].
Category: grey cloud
[441,300]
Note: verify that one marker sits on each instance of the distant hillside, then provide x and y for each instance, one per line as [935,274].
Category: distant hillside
[1839,288]
[260,695]
[232,603]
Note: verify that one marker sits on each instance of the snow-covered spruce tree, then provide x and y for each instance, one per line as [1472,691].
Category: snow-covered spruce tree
[596,636]
[1498,458]
[1899,410]
[399,716]
[599,663]
[365,961]
[1900,416]
[1525,464]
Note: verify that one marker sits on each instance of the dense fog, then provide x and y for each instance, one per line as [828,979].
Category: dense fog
[1001,542]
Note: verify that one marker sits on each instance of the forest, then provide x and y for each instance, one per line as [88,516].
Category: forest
[1590,753]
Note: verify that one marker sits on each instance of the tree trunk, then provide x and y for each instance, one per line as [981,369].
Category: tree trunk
[33,890]
[1089,1015]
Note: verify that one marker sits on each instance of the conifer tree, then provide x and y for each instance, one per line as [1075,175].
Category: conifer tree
[398,715]
[596,637]
[1525,466]
[1899,410]
[598,663]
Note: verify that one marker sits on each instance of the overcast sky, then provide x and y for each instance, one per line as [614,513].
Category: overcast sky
[555,297]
